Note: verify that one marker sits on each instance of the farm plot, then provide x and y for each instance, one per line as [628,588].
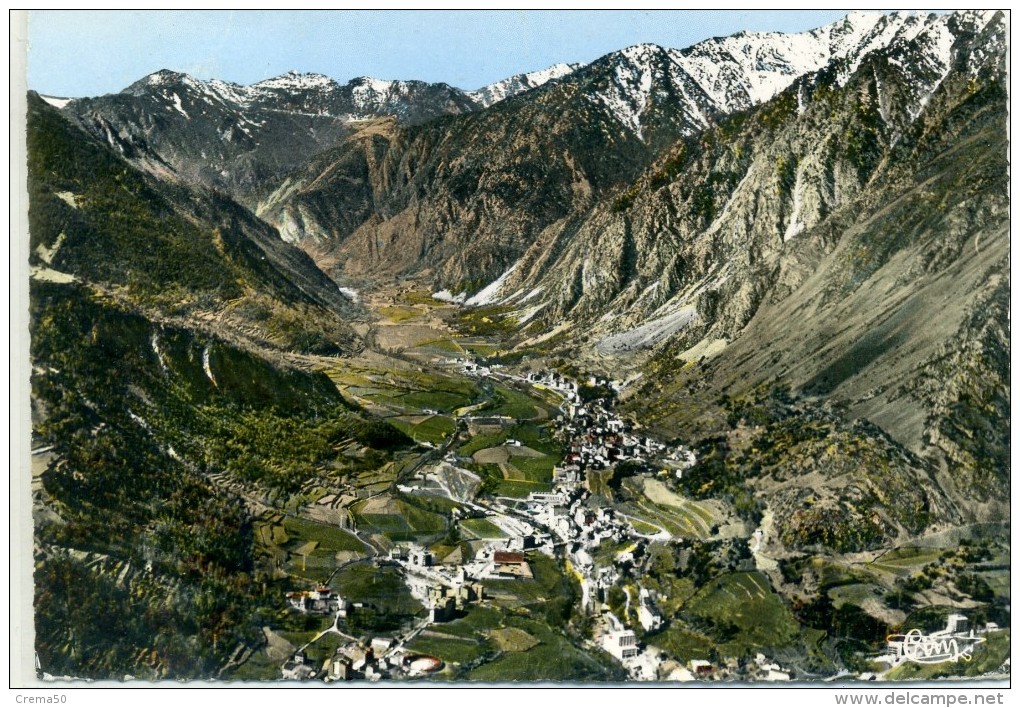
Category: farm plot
[397,519]
[482,528]
[519,406]
[905,561]
[696,516]
[440,347]
[382,588]
[456,650]
[429,428]
[744,614]
[679,523]
[477,622]
[405,391]
[315,549]
[518,490]
[550,657]
[682,642]
[400,313]
[518,462]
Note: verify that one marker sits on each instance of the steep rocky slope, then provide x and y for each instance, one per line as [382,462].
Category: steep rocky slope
[856,256]
[178,252]
[847,238]
[566,146]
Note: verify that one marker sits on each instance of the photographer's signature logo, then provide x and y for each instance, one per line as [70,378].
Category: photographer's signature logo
[933,648]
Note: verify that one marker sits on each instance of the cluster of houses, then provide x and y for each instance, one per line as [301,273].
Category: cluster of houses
[322,600]
[446,588]
[470,367]
[443,588]
[648,663]
[599,439]
[569,516]
[566,521]
[580,526]
[648,611]
[382,658]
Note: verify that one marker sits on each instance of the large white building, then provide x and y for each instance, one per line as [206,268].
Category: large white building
[622,644]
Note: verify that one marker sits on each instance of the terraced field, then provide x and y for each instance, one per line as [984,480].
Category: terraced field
[683,643]
[905,561]
[383,588]
[745,613]
[403,391]
[679,523]
[440,347]
[433,429]
[312,548]
[511,402]
[400,313]
[552,658]
[697,517]
[998,581]
[397,519]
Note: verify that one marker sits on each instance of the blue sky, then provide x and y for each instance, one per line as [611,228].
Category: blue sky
[87,53]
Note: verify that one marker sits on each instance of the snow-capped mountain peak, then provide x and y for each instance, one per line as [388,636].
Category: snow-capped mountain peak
[229,91]
[367,84]
[500,90]
[726,74]
[295,81]
[164,78]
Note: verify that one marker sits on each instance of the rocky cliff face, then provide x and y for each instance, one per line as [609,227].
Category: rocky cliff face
[848,239]
[565,147]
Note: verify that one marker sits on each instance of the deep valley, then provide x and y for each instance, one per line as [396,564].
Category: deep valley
[682,365]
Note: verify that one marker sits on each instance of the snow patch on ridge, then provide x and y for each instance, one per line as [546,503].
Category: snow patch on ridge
[501,90]
[56,102]
[649,333]
[487,295]
[447,296]
[795,226]
[628,95]
[293,80]
[179,107]
[749,68]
